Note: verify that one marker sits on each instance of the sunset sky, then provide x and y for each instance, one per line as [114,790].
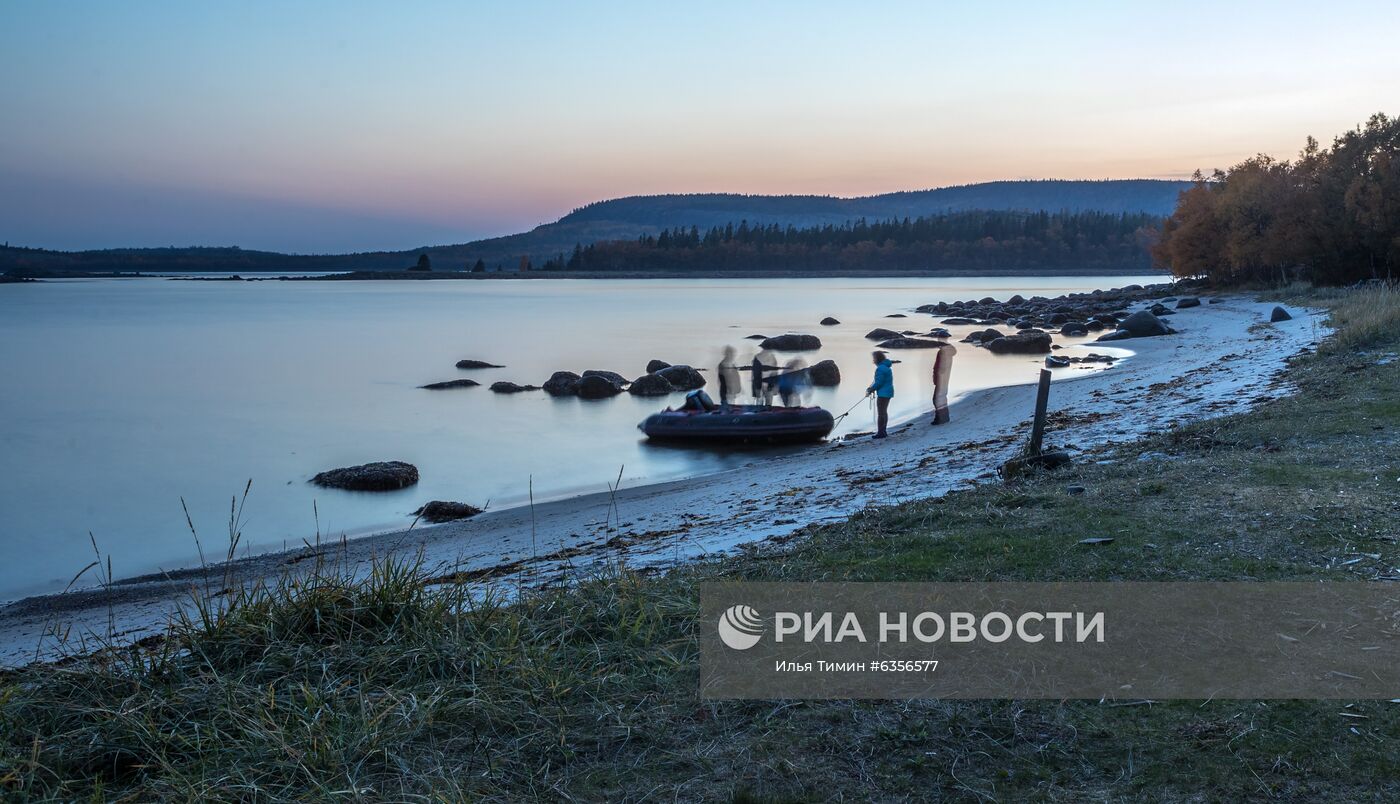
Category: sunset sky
[335,126]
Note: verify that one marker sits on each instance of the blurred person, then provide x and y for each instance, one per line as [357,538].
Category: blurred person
[793,382]
[942,376]
[764,365]
[729,384]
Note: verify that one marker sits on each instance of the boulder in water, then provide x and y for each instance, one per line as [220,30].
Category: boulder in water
[562,383]
[1055,361]
[651,385]
[792,343]
[829,322]
[654,366]
[881,334]
[598,386]
[380,476]
[610,376]
[909,343]
[683,378]
[1022,343]
[445,511]
[824,373]
[476,364]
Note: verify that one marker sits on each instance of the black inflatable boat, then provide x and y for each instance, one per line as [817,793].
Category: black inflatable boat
[739,423]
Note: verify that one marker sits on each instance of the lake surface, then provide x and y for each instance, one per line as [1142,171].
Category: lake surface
[123,396]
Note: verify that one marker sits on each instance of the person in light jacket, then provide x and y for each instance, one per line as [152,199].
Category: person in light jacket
[942,375]
[883,389]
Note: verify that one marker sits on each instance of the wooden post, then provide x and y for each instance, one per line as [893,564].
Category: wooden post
[1042,399]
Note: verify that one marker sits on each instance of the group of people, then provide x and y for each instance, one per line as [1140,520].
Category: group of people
[790,382]
[883,386]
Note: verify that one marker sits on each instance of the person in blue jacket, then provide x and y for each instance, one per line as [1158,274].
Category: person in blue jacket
[883,389]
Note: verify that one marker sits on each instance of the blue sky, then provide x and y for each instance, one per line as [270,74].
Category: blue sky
[320,126]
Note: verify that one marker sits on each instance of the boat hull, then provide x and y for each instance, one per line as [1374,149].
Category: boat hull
[745,424]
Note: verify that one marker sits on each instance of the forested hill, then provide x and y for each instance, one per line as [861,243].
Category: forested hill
[629,218]
[1152,196]
[998,241]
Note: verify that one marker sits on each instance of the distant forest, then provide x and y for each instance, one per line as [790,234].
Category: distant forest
[960,241]
[1332,216]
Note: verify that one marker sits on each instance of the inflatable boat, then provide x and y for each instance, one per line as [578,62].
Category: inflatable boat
[738,423]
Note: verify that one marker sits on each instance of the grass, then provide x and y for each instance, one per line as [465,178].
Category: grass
[325,686]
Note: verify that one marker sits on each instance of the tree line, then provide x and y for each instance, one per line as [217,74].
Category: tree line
[960,240]
[1331,216]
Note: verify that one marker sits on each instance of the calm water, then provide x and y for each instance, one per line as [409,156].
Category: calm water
[120,397]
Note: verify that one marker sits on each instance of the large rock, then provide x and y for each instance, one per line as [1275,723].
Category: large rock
[1143,324]
[881,334]
[381,476]
[829,322]
[504,387]
[598,386]
[442,386]
[562,383]
[683,378]
[792,343]
[909,343]
[1022,343]
[654,366]
[1279,314]
[651,385]
[445,511]
[476,364]
[824,373]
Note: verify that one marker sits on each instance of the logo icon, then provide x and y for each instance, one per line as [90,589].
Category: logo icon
[740,627]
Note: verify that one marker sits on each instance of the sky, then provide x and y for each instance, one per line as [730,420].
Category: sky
[319,127]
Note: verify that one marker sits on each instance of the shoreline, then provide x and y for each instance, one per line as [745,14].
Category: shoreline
[360,275]
[1201,371]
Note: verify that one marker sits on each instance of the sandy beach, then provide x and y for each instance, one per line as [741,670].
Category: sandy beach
[1225,357]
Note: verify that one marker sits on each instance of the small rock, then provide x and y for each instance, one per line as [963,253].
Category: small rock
[829,322]
[654,366]
[1074,490]
[380,476]
[504,387]
[1189,301]
[1279,314]
[792,343]
[445,511]
[896,315]
[881,334]
[441,386]
[1097,540]
[755,337]
[476,364]
[958,321]
[1055,361]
